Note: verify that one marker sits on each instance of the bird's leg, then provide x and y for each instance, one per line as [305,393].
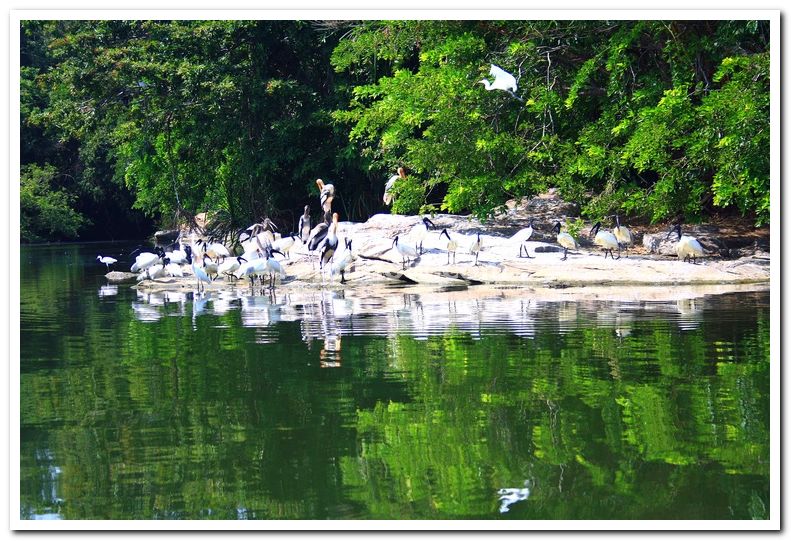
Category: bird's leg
[565,254]
[343,277]
[476,259]
[448,258]
[619,251]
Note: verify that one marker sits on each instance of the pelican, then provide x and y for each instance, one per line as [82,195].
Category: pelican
[387,198]
[623,234]
[565,240]
[407,251]
[475,248]
[330,242]
[521,237]
[687,247]
[344,262]
[606,240]
[451,247]
[107,261]
[419,232]
[326,194]
[502,81]
[304,225]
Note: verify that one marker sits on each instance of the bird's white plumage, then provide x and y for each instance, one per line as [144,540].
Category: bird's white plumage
[387,198]
[145,260]
[502,80]
[107,260]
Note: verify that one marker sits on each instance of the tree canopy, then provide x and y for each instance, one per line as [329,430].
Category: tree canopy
[137,121]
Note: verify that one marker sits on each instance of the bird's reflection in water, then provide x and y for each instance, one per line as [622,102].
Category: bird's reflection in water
[510,496]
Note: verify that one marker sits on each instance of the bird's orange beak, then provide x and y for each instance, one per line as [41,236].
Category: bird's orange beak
[320,183]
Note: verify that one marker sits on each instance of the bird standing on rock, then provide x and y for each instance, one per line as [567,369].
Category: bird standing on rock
[107,261]
[606,240]
[475,248]
[521,237]
[687,247]
[330,243]
[451,246]
[326,195]
[304,225]
[419,232]
[344,262]
[566,241]
[407,251]
[622,234]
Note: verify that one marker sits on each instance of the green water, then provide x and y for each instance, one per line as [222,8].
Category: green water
[404,406]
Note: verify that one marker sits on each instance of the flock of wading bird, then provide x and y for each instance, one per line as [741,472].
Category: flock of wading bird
[259,242]
[253,254]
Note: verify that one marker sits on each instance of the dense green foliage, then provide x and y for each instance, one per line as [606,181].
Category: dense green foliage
[654,119]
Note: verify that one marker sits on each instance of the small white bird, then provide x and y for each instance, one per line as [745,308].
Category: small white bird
[106,260]
[606,240]
[451,247]
[565,240]
[502,81]
[211,268]
[179,257]
[419,232]
[475,248]
[273,267]
[216,251]
[623,234]
[521,237]
[407,251]
[174,269]
[687,247]
[387,198]
[326,194]
[304,225]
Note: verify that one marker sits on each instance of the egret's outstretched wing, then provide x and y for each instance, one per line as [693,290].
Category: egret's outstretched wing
[502,79]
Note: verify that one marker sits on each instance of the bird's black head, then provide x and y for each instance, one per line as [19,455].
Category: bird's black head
[445,233]
[166,261]
[275,251]
[556,227]
[429,224]
[595,228]
[240,259]
[674,229]
[349,244]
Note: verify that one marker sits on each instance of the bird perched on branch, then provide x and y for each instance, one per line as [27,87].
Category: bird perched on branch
[326,194]
[387,198]
[502,81]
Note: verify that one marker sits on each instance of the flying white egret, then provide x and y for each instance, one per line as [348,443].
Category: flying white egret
[419,232]
[106,260]
[304,225]
[326,194]
[606,240]
[687,247]
[502,81]
[387,198]
[452,245]
[565,240]
[407,251]
[623,234]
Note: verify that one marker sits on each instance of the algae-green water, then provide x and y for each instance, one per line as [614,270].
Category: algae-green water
[383,404]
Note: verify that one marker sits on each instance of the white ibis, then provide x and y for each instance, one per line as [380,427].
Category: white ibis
[687,247]
[566,241]
[606,240]
[451,247]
